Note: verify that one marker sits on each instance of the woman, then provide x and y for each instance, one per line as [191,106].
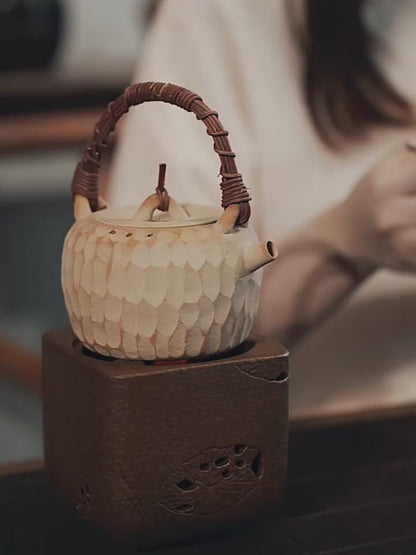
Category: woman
[322,127]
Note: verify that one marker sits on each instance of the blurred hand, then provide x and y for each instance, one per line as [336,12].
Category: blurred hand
[380,213]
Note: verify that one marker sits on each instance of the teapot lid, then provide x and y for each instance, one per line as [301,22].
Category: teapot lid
[159,210]
[178,215]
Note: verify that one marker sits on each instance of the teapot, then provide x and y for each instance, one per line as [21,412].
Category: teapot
[166,280]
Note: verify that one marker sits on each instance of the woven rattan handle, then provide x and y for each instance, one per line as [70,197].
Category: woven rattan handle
[86,179]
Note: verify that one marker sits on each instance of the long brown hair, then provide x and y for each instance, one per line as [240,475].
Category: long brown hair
[344,89]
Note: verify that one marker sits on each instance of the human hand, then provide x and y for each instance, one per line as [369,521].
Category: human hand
[380,214]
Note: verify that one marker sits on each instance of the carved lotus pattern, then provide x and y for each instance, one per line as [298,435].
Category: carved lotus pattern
[212,481]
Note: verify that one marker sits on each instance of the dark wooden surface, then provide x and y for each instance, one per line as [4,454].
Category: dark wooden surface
[351,490]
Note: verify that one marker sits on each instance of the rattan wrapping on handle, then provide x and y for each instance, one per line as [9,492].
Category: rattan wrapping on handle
[86,176]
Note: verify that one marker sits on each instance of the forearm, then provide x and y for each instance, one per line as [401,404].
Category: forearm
[314,274]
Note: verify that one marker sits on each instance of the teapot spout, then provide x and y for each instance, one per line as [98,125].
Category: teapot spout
[256,256]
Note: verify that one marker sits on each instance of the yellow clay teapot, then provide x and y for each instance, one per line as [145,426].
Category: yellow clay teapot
[164,281]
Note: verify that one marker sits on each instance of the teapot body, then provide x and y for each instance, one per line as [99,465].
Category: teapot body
[158,292]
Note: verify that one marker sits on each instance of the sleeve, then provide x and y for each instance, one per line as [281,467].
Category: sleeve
[195,45]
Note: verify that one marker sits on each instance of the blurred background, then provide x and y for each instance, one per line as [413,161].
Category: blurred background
[346,95]
[59,65]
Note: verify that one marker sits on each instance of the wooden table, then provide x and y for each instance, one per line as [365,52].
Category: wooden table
[351,490]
